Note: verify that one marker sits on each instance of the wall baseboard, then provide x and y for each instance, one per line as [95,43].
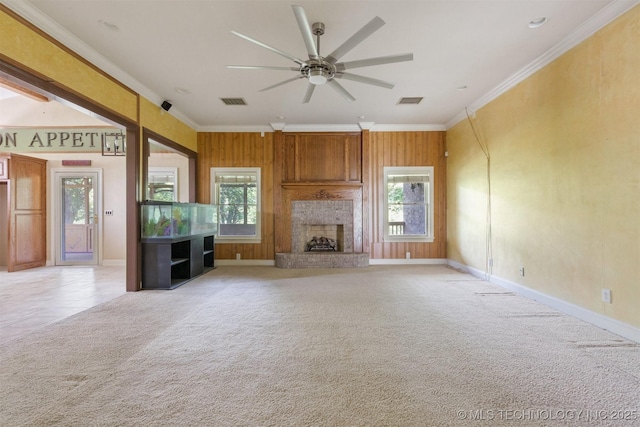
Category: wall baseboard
[612,325]
[263,262]
[407,261]
[397,261]
[105,263]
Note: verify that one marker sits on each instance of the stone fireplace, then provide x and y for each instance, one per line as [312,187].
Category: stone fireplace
[323,215]
[322,218]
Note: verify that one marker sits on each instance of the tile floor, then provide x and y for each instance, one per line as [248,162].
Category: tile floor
[34,298]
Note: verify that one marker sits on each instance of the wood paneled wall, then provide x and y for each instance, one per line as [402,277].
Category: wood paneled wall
[240,150]
[406,149]
[347,158]
[317,157]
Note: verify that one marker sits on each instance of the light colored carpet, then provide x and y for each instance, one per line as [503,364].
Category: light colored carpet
[380,346]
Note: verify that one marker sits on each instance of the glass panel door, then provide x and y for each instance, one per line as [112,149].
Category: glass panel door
[78,238]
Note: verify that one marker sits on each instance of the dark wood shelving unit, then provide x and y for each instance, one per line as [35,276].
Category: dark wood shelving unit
[171,262]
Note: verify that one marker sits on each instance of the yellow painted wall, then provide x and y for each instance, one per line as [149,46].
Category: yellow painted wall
[29,48]
[161,122]
[565,177]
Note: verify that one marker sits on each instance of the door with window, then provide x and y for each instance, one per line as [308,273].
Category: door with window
[77,218]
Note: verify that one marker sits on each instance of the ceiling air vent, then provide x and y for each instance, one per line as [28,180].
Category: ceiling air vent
[234,101]
[410,100]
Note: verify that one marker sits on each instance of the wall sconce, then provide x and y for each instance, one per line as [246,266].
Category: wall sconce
[114,144]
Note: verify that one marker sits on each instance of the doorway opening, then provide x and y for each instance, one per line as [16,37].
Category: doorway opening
[77,197]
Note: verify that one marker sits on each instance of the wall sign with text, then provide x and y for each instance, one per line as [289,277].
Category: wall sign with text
[80,140]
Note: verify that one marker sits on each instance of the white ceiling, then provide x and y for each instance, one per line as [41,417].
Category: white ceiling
[162,47]
[22,112]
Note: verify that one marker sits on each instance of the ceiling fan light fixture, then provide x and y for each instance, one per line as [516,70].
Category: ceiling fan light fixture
[320,70]
[317,77]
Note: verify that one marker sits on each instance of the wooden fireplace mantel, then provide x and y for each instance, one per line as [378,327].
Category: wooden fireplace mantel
[316,184]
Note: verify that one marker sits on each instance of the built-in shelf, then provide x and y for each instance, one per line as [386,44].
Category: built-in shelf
[171,262]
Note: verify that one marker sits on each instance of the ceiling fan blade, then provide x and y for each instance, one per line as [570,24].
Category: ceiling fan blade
[305,30]
[262,67]
[271,48]
[308,93]
[340,66]
[342,91]
[281,83]
[363,79]
[355,39]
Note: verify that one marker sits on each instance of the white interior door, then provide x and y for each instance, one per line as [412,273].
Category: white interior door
[78,217]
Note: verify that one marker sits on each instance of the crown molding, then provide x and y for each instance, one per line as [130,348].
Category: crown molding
[322,128]
[408,128]
[230,129]
[580,34]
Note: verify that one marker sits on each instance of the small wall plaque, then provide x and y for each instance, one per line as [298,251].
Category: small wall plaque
[76,163]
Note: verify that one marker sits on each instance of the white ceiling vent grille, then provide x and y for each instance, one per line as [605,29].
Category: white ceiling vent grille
[410,100]
[234,101]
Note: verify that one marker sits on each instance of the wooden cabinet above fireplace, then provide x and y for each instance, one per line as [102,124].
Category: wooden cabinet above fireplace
[322,157]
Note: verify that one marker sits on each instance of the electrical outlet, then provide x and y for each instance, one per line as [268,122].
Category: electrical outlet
[237,256]
[606,296]
[522,271]
[407,255]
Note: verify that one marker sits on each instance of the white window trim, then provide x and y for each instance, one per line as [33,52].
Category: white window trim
[214,200]
[410,170]
[164,170]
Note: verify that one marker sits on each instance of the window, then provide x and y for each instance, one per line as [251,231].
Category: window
[163,184]
[408,203]
[236,191]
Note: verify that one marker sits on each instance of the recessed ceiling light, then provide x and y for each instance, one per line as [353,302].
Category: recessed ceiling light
[537,23]
[462,87]
[281,117]
[183,91]
[361,117]
[108,25]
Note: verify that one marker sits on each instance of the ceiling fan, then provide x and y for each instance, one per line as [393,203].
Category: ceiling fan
[318,69]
